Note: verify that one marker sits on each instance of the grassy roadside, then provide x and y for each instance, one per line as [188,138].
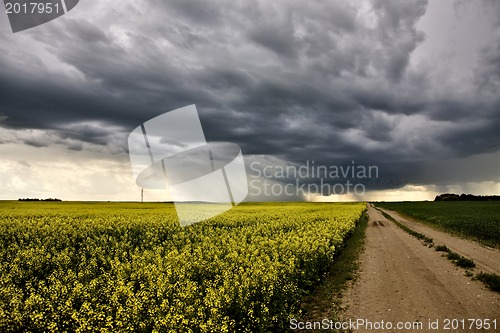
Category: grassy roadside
[473,220]
[456,258]
[325,300]
[490,280]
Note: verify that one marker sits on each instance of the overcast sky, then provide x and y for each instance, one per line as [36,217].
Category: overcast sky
[411,87]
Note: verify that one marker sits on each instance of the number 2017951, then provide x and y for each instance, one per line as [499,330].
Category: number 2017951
[33,8]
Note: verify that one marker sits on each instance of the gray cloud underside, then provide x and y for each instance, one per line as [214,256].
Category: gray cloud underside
[323,80]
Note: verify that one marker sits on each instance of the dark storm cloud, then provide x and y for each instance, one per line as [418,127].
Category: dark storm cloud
[397,32]
[488,73]
[325,81]
[196,11]
[278,39]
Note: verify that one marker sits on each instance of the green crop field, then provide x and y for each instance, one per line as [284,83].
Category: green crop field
[474,219]
[129,267]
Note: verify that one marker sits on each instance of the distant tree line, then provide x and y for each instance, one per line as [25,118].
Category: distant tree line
[466,197]
[36,199]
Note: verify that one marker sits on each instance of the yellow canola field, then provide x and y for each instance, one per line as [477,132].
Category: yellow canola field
[130,267]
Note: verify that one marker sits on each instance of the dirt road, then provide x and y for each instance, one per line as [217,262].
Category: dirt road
[400,281]
[486,259]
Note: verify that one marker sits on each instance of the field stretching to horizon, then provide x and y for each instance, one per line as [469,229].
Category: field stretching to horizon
[478,220]
[111,267]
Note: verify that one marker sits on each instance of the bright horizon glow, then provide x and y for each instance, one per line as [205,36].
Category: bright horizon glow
[95,176]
